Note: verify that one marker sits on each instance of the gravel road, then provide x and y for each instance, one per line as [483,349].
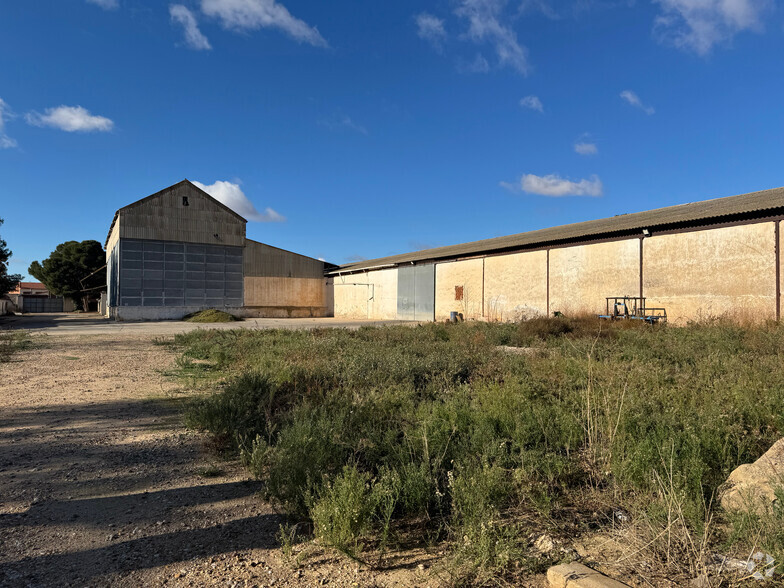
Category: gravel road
[101,485]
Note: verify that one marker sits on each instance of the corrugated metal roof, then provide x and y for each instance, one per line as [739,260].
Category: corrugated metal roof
[679,215]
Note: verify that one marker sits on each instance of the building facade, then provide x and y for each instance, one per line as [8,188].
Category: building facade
[180,251]
[34,297]
[716,258]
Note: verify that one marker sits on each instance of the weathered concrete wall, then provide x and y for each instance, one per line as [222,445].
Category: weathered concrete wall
[459,288]
[713,272]
[371,294]
[352,296]
[781,272]
[280,283]
[285,292]
[163,313]
[582,276]
[516,286]
[160,313]
[718,272]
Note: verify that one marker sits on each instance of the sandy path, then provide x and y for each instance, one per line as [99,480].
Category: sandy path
[100,483]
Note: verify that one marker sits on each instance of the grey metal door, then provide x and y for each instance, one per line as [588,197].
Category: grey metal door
[41,304]
[416,292]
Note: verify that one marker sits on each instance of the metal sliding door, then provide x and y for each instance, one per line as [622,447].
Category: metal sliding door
[416,292]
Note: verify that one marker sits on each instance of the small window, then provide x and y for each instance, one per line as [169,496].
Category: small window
[458,292]
[185,201]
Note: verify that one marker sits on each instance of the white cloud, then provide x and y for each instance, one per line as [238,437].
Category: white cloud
[193,36]
[6,142]
[556,186]
[245,15]
[538,6]
[344,121]
[513,187]
[106,4]
[71,119]
[584,148]
[478,66]
[698,25]
[431,29]
[232,196]
[484,26]
[350,124]
[532,102]
[635,101]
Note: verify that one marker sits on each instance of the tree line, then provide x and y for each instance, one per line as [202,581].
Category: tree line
[75,270]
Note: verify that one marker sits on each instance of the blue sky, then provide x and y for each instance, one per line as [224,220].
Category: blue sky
[363,129]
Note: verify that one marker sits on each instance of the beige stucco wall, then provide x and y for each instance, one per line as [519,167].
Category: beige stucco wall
[285,292]
[114,238]
[781,270]
[371,295]
[466,274]
[711,273]
[516,286]
[583,276]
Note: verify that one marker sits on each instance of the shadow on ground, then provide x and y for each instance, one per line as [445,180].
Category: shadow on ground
[95,489]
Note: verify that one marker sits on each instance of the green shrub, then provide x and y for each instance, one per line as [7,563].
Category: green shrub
[238,413]
[482,538]
[342,511]
[13,341]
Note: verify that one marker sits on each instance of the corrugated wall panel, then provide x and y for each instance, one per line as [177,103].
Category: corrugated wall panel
[166,218]
[158,273]
[416,292]
[265,261]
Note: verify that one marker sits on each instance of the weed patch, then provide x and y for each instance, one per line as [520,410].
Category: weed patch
[13,341]
[382,438]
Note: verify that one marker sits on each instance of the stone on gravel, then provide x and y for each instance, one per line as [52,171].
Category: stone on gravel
[544,544]
[575,575]
[752,485]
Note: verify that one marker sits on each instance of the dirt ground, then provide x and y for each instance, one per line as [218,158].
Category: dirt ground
[101,484]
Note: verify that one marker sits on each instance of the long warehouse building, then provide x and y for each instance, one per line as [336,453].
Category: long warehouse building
[715,258]
[180,250]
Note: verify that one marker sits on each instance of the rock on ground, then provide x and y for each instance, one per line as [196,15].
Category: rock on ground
[753,485]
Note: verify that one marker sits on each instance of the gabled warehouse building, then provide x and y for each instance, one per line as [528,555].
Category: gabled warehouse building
[705,259]
[180,250]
